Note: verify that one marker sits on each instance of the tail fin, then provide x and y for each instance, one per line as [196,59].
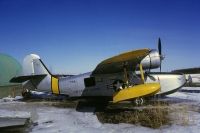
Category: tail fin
[37,75]
[33,65]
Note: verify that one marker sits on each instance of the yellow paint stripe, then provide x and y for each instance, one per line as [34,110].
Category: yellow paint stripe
[54,85]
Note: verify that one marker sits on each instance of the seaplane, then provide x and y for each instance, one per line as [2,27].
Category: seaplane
[124,77]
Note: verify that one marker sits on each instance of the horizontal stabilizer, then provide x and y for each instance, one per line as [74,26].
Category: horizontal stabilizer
[137,91]
[21,79]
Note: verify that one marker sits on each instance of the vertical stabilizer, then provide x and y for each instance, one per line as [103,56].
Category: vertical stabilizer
[36,76]
[33,65]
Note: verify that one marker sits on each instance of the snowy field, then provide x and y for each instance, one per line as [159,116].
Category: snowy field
[47,118]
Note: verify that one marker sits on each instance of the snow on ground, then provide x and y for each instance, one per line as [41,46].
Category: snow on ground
[189,93]
[51,119]
[14,114]
[71,121]
[62,120]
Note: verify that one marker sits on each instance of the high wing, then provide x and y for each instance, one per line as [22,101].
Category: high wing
[116,64]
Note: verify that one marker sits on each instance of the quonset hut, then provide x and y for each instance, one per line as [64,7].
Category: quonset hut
[9,67]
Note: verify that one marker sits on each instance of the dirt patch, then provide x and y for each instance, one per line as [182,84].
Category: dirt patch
[153,116]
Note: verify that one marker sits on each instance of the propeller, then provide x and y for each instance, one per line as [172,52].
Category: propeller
[160,52]
[159,46]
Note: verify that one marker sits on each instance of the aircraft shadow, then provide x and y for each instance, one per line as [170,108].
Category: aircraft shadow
[88,106]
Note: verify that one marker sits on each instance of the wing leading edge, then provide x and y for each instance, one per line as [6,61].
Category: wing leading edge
[116,64]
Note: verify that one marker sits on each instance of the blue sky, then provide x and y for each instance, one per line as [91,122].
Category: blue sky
[73,36]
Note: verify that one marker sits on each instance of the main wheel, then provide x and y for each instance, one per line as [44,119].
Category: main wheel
[26,93]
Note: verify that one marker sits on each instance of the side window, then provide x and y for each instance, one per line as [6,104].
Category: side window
[89,82]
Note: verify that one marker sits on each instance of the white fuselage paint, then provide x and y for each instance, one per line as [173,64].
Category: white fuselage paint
[74,85]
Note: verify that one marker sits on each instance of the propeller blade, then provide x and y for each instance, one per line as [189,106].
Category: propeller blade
[159,46]
[160,66]
[160,51]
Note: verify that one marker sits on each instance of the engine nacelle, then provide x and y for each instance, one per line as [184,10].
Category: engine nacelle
[152,60]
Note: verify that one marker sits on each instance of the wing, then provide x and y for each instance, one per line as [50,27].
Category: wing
[116,64]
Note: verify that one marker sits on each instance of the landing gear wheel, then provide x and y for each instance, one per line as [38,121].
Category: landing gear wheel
[139,101]
[26,93]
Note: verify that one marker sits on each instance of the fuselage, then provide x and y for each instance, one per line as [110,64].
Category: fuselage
[102,85]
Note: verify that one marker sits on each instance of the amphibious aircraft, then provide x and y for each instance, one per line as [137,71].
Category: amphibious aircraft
[118,78]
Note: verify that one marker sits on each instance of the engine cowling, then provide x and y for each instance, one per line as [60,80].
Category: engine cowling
[152,60]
